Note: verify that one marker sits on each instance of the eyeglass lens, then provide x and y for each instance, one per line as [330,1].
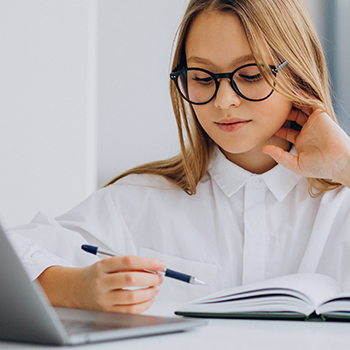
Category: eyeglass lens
[200,87]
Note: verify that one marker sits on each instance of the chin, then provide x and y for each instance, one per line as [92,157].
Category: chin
[237,149]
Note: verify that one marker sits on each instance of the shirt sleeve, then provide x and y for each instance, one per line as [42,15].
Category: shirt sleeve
[48,241]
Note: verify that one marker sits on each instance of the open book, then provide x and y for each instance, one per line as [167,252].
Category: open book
[300,296]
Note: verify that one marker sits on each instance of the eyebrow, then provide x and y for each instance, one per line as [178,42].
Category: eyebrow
[236,61]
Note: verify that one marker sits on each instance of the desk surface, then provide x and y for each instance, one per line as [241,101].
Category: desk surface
[229,334]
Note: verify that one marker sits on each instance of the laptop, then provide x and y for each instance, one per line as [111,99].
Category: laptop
[26,316]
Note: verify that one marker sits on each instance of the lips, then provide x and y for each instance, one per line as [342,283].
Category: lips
[233,124]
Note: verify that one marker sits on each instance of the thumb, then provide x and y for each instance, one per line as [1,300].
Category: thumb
[282,157]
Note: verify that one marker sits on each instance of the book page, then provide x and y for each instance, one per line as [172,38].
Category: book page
[340,303]
[296,293]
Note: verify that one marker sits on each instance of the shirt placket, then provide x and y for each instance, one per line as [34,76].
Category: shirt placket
[254,230]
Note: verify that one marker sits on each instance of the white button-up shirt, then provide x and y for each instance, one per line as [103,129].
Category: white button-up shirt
[238,228]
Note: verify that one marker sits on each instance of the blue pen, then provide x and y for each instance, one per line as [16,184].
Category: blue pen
[167,272]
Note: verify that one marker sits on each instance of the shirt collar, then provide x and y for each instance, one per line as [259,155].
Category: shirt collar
[230,177]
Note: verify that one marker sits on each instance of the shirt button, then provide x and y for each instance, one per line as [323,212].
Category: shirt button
[256,182]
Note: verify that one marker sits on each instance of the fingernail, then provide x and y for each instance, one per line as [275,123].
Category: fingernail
[157,289]
[161,265]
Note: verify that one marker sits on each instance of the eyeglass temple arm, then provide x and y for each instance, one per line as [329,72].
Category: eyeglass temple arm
[281,66]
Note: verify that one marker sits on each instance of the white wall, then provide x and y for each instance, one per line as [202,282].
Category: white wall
[136,122]
[47,106]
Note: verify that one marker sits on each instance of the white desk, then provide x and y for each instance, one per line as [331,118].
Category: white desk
[221,334]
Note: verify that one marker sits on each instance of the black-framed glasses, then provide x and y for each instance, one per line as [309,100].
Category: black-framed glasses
[199,86]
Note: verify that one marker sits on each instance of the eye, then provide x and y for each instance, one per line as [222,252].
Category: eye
[251,78]
[205,80]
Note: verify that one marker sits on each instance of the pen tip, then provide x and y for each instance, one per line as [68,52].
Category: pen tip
[198,281]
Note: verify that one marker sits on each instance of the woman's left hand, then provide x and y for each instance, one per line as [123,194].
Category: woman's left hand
[322,146]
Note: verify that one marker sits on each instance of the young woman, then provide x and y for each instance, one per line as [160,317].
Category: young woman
[259,189]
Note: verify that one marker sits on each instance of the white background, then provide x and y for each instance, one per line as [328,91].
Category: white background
[135,118]
[46,105]
[84,95]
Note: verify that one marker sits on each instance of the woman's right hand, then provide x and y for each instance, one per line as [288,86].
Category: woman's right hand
[103,285]
[107,279]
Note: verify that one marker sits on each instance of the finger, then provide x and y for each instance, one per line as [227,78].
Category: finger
[121,280]
[133,309]
[131,263]
[288,134]
[131,297]
[282,157]
[297,116]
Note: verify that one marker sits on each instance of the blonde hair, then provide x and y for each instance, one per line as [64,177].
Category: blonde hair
[285,30]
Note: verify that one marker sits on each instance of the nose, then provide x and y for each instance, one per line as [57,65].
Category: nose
[226,97]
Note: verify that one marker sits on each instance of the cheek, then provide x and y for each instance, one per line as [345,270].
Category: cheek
[276,110]
[203,113]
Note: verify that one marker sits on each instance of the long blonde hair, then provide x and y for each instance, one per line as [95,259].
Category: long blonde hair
[282,27]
